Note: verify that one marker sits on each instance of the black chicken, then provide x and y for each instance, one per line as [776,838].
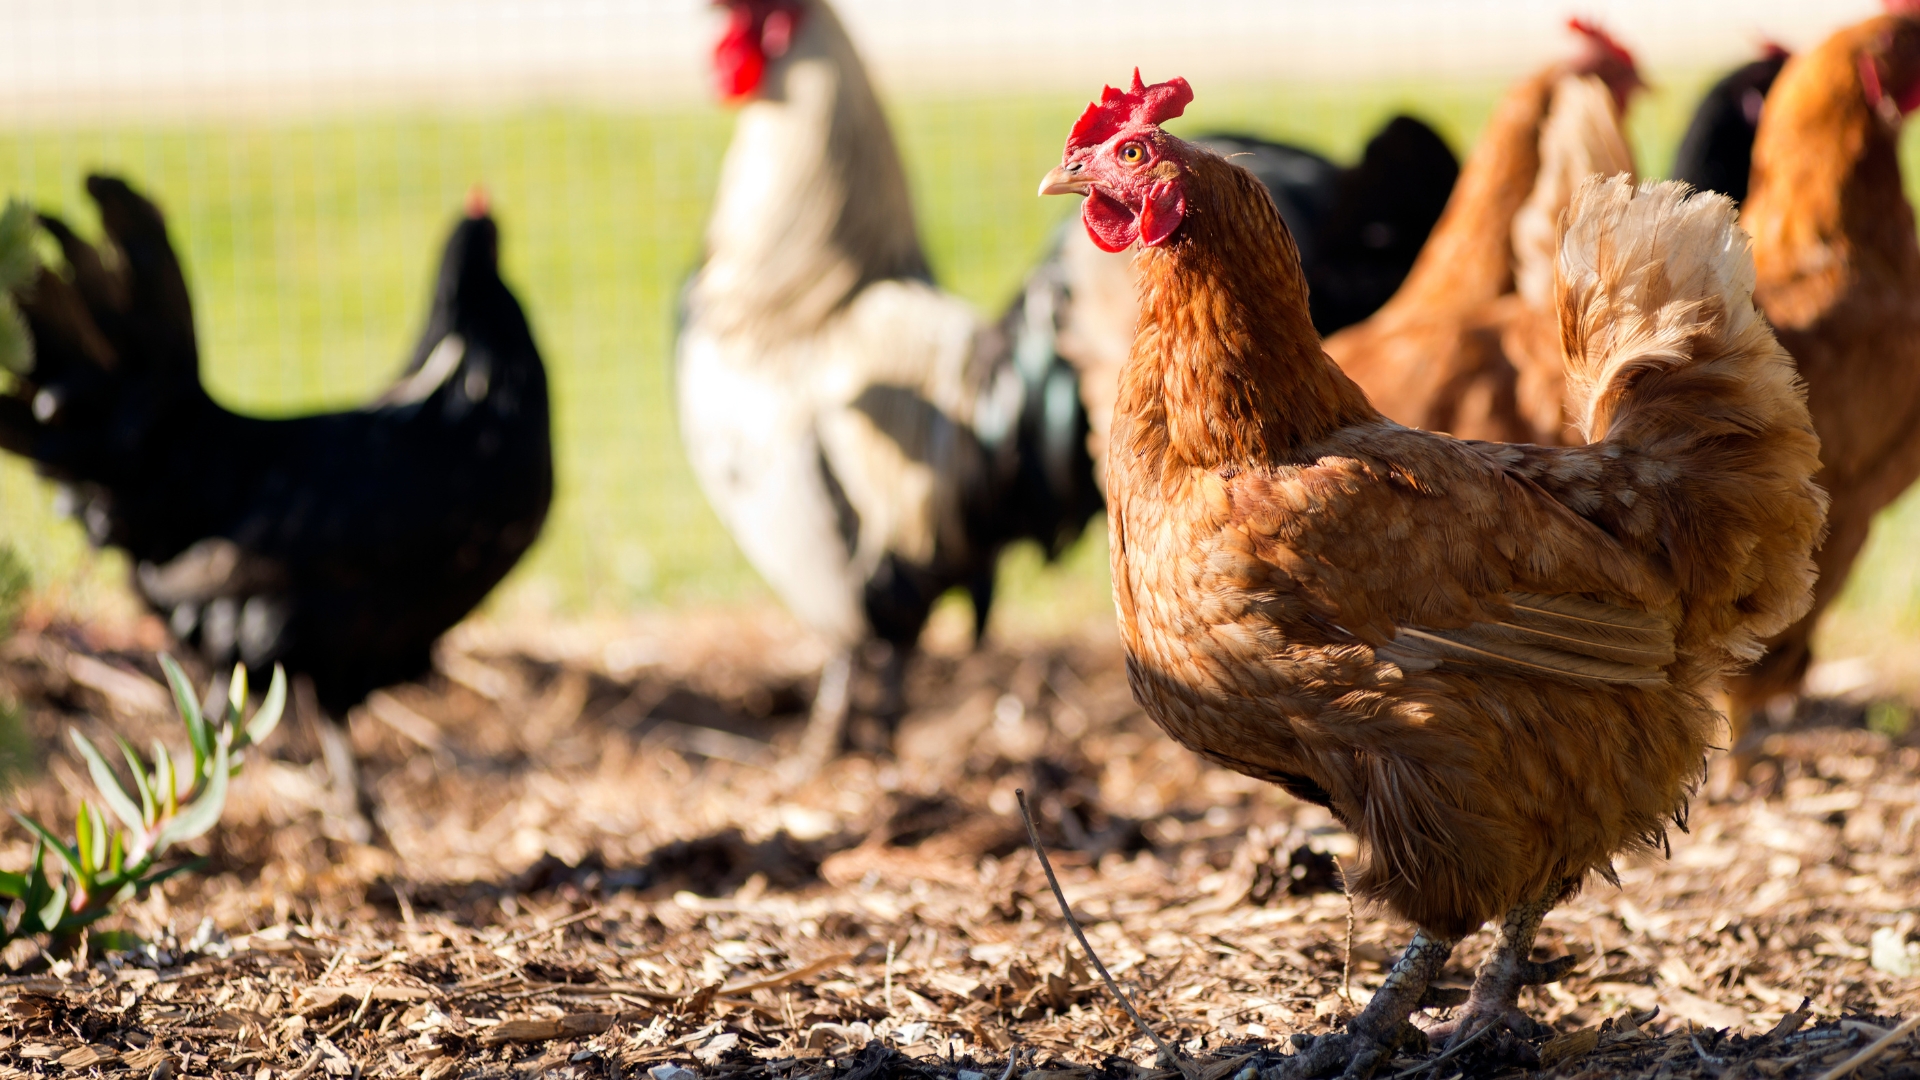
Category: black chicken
[1358,228]
[1716,154]
[340,545]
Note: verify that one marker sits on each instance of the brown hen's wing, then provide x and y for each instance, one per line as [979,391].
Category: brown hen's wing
[1434,552]
[1560,636]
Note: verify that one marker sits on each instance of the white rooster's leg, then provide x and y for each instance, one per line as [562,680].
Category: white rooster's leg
[1495,999]
[828,721]
[1373,1037]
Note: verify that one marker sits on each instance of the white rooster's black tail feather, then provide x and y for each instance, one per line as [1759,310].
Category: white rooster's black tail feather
[1671,367]
[1033,420]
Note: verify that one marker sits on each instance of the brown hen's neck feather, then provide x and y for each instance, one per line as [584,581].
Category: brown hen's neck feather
[1227,358]
[1827,207]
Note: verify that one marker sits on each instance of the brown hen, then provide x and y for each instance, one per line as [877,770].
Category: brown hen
[1468,343]
[1839,277]
[1490,661]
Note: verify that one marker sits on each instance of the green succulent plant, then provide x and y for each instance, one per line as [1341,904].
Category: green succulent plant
[180,797]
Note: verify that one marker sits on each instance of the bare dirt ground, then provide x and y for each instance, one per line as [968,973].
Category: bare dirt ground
[594,865]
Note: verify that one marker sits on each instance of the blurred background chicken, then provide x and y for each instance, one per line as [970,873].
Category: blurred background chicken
[1716,153]
[341,545]
[1490,661]
[1468,344]
[869,441]
[1359,229]
[1839,278]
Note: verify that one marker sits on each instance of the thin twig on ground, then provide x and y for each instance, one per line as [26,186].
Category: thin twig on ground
[1452,1052]
[1066,911]
[1873,1049]
[1346,958]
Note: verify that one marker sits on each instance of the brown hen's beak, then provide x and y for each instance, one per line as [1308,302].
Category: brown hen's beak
[1065,181]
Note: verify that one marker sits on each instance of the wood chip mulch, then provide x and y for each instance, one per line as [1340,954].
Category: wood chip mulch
[595,863]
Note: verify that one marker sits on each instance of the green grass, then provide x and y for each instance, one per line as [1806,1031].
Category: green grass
[310,245]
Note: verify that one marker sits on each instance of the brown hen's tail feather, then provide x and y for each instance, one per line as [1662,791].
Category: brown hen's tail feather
[1669,361]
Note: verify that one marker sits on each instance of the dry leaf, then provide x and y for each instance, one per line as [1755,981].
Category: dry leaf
[541,1029]
[1568,1048]
[145,1059]
[87,1057]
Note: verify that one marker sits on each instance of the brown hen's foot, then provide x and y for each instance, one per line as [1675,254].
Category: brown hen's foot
[1381,1030]
[1495,998]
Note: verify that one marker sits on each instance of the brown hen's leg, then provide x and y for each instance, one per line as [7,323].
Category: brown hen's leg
[1372,1038]
[1495,999]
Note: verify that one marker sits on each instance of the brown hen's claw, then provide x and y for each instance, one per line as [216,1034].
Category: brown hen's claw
[1495,998]
[1381,1030]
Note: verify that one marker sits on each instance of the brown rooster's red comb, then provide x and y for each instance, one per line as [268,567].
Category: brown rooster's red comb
[1601,40]
[1141,104]
[1901,7]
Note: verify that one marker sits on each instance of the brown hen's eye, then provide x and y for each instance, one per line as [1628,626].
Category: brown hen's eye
[1133,153]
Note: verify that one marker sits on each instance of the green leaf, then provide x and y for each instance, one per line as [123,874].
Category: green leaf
[116,854]
[150,880]
[237,693]
[54,910]
[83,843]
[97,823]
[116,941]
[37,890]
[67,854]
[165,779]
[183,700]
[109,784]
[13,886]
[140,781]
[271,707]
[204,812]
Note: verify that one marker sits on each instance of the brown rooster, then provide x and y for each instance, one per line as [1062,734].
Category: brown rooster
[1839,277]
[1490,661]
[1468,343]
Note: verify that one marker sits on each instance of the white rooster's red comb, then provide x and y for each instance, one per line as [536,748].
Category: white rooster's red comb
[1601,40]
[1140,104]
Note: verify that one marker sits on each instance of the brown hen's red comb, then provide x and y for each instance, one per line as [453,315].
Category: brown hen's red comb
[1604,41]
[1901,7]
[1141,104]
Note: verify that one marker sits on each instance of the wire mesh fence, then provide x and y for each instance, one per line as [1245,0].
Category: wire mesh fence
[311,157]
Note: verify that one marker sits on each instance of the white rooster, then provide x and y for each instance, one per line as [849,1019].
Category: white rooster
[869,441]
